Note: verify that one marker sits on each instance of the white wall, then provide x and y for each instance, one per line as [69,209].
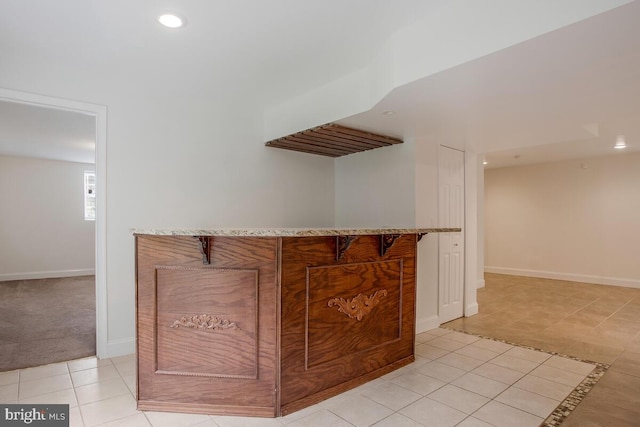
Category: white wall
[180,158]
[42,228]
[376,188]
[426,196]
[573,220]
[398,186]
[197,163]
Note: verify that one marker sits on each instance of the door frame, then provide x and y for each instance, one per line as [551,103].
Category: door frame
[473,178]
[100,114]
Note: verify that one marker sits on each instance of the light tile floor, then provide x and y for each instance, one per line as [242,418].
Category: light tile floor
[587,321]
[457,380]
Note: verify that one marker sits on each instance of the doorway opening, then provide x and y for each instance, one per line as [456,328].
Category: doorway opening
[96,114]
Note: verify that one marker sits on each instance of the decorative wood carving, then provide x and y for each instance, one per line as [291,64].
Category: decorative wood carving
[342,244]
[358,306]
[205,248]
[204,321]
[386,241]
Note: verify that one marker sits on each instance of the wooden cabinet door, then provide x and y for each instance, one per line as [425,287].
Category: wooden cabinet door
[207,332]
[346,317]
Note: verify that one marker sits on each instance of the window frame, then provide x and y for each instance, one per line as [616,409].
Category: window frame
[89,195]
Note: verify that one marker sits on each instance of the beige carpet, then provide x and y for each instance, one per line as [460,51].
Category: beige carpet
[47,320]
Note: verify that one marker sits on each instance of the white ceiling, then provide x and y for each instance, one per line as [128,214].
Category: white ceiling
[566,94]
[33,131]
[272,48]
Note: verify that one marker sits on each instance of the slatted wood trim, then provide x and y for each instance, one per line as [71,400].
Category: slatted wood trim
[345,146]
[332,140]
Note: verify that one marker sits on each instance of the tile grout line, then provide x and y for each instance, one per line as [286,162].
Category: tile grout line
[19,384]
[509,385]
[583,307]
[564,409]
[120,374]
[75,393]
[611,315]
[530,372]
[553,353]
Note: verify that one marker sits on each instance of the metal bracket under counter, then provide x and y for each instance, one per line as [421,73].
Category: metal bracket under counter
[204,244]
[343,243]
[386,241]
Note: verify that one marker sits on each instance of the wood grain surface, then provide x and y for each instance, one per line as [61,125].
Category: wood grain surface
[272,324]
[321,348]
[215,371]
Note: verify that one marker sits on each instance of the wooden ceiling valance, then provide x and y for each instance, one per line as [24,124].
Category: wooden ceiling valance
[332,140]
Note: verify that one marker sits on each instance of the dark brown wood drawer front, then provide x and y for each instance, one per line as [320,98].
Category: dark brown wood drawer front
[207,332]
[346,317]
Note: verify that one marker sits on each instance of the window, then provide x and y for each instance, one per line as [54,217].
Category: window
[89,195]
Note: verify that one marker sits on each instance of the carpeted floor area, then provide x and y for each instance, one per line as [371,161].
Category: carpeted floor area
[46,320]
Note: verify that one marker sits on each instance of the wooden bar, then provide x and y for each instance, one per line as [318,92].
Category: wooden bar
[273,323]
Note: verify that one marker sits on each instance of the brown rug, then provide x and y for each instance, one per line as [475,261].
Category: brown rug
[46,321]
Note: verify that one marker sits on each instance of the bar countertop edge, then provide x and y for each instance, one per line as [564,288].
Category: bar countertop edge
[289,232]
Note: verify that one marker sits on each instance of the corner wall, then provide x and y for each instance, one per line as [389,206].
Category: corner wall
[42,228]
[398,186]
[571,220]
[375,188]
[426,197]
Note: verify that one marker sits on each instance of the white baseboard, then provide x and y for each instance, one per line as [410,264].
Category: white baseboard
[47,274]
[480,284]
[426,324]
[612,281]
[471,309]
[121,347]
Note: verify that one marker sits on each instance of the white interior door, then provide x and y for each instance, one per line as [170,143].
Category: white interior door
[451,245]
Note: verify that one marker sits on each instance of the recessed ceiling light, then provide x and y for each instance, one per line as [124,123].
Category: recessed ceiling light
[484,162]
[620,142]
[171,20]
[388,112]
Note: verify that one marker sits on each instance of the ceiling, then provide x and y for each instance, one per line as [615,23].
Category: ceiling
[566,94]
[271,49]
[47,133]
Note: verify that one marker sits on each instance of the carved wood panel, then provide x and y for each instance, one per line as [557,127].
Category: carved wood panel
[206,322]
[316,362]
[239,286]
[368,297]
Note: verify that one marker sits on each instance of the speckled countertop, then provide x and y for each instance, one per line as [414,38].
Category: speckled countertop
[289,232]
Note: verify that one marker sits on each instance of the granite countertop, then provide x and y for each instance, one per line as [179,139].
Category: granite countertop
[289,232]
